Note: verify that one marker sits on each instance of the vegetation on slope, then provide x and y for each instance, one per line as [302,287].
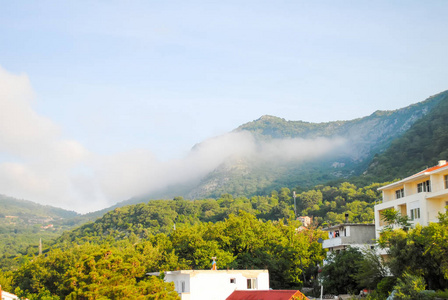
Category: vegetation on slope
[422,145]
[180,234]
[23,223]
[365,137]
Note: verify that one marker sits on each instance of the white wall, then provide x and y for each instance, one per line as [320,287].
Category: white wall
[215,285]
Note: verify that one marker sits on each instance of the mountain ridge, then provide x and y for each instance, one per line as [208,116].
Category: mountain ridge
[367,136]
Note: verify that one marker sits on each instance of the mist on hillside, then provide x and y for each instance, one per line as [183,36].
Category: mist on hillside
[40,164]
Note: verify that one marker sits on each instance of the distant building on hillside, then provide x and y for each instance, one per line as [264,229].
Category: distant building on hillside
[215,284]
[306,221]
[420,196]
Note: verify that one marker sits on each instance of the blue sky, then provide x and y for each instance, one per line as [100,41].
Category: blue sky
[157,77]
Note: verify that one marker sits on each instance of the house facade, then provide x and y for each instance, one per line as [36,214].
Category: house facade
[7,296]
[349,235]
[420,197]
[215,284]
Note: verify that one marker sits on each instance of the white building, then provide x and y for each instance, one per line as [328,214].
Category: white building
[7,296]
[349,235]
[215,284]
[421,196]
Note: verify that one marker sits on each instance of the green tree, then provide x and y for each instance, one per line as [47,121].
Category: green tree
[371,269]
[340,273]
[411,287]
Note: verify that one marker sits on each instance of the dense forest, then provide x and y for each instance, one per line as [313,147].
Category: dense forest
[421,146]
[161,235]
[110,257]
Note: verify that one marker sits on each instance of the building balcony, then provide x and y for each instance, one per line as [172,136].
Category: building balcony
[338,242]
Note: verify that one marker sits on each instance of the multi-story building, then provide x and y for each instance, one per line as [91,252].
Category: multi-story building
[421,196]
[349,235]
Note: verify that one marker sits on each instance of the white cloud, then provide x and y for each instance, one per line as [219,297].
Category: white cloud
[36,159]
[37,163]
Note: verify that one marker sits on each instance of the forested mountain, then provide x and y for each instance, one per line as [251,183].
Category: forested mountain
[340,150]
[28,210]
[421,146]
[24,223]
[111,255]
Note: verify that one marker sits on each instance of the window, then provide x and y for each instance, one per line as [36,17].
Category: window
[446,181]
[415,213]
[251,283]
[424,186]
[399,193]
[232,280]
[183,286]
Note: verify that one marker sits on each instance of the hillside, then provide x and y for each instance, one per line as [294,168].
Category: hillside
[422,145]
[362,138]
[23,223]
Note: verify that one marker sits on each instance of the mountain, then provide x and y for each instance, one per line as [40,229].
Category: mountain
[351,146]
[273,153]
[425,143]
[23,223]
[28,211]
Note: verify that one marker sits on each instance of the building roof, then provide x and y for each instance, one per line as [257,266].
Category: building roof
[348,225]
[211,272]
[266,295]
[443,165]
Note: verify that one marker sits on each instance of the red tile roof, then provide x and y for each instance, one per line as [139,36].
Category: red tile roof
[432,169]
[266,295]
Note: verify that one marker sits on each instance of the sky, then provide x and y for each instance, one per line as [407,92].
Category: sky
[104,100]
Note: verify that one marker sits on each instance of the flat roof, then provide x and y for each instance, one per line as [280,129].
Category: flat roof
[195,272]
[346,225]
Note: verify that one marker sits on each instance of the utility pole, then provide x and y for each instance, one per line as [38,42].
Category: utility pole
[295,209]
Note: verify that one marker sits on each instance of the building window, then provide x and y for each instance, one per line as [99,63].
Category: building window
[415,213]
[399,193]
[251,283]
[446,181]
[183,286]
[424,186]
[232,280]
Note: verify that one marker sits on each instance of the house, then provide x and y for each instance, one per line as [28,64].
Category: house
[267,295]
[420,196]
[7,296]
[349,234]
[215,284]
[306,221]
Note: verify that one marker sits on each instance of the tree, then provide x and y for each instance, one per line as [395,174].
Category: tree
[340,273]
[371,269]
[421,251]
[310,198]
[411,287]
[93,272]
[393,218]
